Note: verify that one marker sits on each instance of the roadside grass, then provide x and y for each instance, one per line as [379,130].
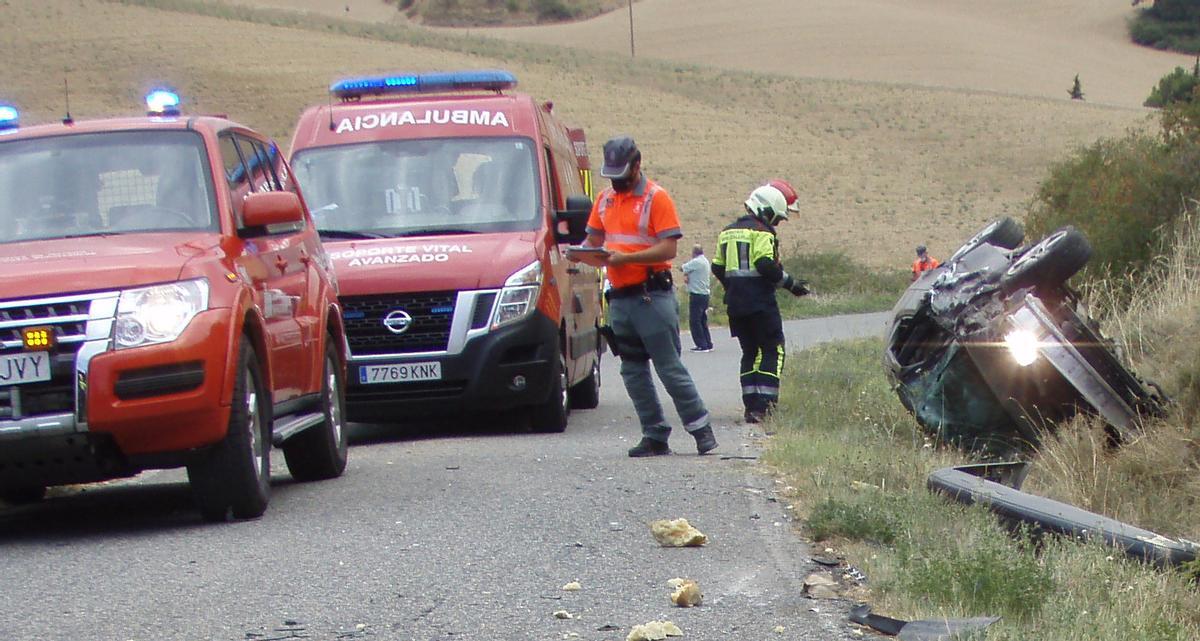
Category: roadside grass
[856,463]
[1154,481]
[839,284]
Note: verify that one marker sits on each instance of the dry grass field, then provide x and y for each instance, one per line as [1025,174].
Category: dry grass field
[881,167]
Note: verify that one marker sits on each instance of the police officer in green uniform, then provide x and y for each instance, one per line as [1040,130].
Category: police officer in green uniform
[747,264]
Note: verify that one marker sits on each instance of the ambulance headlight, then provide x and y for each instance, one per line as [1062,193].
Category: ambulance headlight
[1022,346]
[519,296]
[158,314]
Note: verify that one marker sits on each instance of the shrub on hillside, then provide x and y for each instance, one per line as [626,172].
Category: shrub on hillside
[1121,193]
[553,10]
[1177,86]
[1168,24]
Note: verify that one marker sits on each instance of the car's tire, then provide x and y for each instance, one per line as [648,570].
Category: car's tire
[235,474]
[1049,262]
[585,394]
[23,495]
[1005,233]
[551,416]
[319,452]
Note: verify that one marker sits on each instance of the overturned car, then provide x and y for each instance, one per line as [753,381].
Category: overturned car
[993,347]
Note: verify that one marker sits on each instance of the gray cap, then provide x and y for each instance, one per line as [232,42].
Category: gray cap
[619,156]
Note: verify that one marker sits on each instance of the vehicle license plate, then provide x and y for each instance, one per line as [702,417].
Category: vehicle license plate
[26,367]
[400,373]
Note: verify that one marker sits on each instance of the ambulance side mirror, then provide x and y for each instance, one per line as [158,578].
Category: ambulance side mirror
[570,224]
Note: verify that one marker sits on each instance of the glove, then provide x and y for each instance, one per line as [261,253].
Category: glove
[794,285]
[799,288]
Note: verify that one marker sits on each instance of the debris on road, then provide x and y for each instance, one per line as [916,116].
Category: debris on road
[677,533]
[779,629]
[563,614]
[820,585]
[573,586]
[931,630]
[654,631]
[687,593]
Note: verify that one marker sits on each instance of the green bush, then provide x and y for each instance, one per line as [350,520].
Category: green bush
[988,572]
[1168,24]
[1177,86]
[551,10]
[864,521]
[1122,193]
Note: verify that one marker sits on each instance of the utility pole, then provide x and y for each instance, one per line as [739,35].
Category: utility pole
[631,50]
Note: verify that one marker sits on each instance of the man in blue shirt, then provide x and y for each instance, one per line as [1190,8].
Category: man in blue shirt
[696,274]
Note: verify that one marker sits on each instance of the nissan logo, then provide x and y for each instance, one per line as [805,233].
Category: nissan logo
[398,321]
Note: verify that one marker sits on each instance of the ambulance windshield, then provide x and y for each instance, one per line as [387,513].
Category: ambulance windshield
[421,187]
[104,183]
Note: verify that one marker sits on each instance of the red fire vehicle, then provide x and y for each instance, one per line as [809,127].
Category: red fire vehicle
[445,200]
[165,301]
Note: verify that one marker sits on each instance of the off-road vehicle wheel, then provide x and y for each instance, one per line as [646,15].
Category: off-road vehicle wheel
[235,475]
[1050,262]
[585,394]
[319,452]
[1005,232]
[551,416]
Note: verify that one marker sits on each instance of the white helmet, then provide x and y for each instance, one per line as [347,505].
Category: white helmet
[767,204]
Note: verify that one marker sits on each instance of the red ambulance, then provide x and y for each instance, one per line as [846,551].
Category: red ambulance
[445,201]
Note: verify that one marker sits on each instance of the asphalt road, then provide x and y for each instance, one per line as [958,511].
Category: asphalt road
[439,533]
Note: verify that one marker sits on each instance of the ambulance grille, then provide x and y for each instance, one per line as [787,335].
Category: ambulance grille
[431,312]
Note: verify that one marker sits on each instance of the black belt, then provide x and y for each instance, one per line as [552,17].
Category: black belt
[657,282]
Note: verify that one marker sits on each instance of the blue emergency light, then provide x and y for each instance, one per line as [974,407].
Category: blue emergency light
[418,83]
[162,102]
[9,117]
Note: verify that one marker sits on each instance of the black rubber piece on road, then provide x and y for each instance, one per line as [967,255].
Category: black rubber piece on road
[1048,515]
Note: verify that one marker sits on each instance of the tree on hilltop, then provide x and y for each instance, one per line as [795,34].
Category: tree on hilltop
[1076,91]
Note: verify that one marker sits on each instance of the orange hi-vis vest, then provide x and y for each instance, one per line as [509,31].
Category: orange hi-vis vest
[631,222]
[924,265]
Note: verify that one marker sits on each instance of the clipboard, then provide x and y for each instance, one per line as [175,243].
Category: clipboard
[584,250]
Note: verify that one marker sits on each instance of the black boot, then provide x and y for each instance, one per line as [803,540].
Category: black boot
[706,441]
[649,447]
[753,416]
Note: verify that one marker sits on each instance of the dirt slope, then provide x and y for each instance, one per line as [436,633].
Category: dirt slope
[880,168]
[1027,47]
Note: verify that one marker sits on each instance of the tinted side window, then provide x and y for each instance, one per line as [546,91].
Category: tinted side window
[236,176]
[556,201]
[262,175]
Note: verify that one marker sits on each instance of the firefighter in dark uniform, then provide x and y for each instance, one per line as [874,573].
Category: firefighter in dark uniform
[747,264]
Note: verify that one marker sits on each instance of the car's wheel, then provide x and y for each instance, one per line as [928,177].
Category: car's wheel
[235,475]
[1051,261]
[23,495]
[1005,232]
[320,451]
[551,416]
[585,394]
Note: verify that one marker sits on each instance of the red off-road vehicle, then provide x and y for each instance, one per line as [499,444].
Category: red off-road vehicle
[164,301]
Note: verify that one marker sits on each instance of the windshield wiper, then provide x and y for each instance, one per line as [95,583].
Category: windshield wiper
[437,232]
[349,233]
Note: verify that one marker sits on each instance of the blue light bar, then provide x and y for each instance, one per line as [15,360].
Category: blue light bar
[162,102]
[418,83]
[10,118]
